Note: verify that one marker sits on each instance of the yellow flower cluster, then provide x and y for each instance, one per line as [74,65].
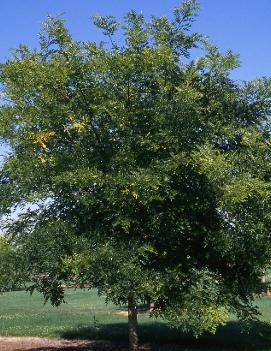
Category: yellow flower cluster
[134,194]
[41,138]
[78,126]
[45,160]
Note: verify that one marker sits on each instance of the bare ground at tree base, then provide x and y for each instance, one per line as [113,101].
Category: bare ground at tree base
[40,344]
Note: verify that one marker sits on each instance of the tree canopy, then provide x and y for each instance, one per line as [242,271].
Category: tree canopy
[147,172]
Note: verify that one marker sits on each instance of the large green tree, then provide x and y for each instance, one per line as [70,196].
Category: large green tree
[138,170]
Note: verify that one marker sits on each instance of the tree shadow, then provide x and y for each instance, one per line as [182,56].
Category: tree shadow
[231,336]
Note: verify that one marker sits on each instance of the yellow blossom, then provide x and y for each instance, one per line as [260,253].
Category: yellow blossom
[78,126]
[41,138]
[44,160]
[135,195]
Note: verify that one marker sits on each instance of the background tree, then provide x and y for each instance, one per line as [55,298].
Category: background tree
[148,173]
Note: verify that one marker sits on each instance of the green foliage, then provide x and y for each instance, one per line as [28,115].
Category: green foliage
[10,276]
[150,173]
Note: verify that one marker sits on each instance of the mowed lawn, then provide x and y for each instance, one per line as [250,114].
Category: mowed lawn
[87,316]
[24,315]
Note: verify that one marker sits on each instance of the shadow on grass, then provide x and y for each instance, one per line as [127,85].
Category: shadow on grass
[230,337]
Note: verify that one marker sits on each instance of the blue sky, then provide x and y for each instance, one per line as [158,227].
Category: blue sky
[240,25]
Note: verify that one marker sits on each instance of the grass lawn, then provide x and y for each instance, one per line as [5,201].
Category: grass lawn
[87,316]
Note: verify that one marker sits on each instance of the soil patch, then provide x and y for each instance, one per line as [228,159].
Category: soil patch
[122,313]
[40,344]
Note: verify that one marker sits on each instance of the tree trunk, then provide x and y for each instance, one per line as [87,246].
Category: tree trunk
[132,320]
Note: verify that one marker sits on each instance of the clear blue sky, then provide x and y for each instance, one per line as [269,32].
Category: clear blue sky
[241,25]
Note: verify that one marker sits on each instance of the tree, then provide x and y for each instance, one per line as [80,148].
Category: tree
[11,276]
[148,173]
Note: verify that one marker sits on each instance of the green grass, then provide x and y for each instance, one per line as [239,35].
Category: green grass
[86,316]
